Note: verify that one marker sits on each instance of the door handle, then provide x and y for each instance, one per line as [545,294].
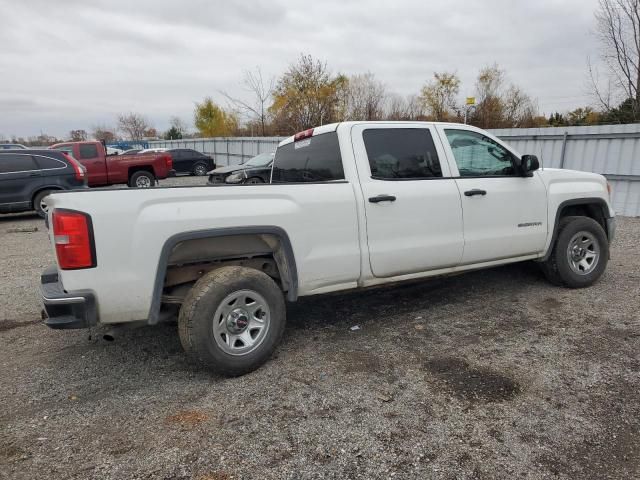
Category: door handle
[382,198]
[475,191]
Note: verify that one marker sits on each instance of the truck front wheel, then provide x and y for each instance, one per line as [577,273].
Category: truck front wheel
[580,253]
[142,179]
[232,320]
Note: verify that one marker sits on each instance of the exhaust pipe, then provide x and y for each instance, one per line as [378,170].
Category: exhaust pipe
[116,330]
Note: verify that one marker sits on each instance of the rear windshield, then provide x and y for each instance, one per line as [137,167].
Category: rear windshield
[314,159]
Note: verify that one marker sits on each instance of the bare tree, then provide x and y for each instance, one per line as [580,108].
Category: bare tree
[364,98]
[77,135]
[404,108]
[133,125]
[618,27]
[179,124]
[261,91]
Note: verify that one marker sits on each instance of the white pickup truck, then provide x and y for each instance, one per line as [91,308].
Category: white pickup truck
[350,205]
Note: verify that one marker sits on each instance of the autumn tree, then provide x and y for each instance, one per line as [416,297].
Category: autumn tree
[618,28]
[306,96]
[77,135]
[103,132]
[213,121]
[260,91]
[499,104]
[439,96]
[133,125]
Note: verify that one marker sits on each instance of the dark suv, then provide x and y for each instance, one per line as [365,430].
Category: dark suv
[187,160]
[27,176]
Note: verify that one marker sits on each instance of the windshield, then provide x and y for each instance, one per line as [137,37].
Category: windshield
[261,160]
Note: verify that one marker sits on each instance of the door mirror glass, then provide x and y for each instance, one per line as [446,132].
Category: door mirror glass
[528,164]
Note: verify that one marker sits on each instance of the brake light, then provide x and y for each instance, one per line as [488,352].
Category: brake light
[79,169]
[73,238]
[302,135]
[169,161]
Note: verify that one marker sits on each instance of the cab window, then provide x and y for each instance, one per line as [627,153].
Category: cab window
[313,159]
[477,155]
[401,153]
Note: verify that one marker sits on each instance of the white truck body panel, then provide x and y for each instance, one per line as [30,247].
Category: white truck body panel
[340,239]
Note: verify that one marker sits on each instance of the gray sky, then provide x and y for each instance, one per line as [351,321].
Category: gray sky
[70,64]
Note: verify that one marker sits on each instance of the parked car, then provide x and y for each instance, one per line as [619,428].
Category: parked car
[131,151]
[351,205]
[139,170]
[254,170]
[187,160]
[12,146]
[27,176]
[152,150]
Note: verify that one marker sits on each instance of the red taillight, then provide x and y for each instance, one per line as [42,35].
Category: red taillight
[79,169]
[73,238]
[169,161]
[304,134]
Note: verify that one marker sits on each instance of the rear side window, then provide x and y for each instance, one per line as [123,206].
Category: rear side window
[401,153]
[10,163]
[49,163]
[88,150]
[314,159]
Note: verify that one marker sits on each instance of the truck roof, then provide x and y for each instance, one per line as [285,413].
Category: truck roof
[332,127]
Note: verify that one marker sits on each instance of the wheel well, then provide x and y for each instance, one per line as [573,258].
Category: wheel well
[40,190]
[191,258]
[592,210]
[141,168]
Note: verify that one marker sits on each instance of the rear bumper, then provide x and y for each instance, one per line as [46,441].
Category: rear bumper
[65,310]
[171,173]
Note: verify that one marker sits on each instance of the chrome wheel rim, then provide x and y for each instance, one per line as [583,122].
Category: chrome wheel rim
[44,207]
[143,182]
[583,253]
[241,322]
[201,170]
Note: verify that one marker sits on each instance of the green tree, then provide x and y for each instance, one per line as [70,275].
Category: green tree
[173,134]
[213,121]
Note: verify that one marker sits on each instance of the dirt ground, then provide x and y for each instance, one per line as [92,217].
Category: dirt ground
[492,374]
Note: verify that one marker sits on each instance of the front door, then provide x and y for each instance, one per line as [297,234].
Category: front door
[505,214]
[412,205]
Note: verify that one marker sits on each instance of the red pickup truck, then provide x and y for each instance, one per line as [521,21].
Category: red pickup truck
[135,170]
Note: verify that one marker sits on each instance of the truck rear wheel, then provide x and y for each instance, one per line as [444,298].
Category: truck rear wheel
[142,179]
[232,320]
[580,253]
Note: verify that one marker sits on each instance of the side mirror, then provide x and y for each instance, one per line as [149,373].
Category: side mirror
[528,164]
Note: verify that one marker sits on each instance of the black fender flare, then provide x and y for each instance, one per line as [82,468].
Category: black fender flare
[291,270]
[601,203]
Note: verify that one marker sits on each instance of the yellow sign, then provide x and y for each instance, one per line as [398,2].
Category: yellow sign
[471,100]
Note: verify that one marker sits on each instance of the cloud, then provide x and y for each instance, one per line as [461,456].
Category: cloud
[73,64]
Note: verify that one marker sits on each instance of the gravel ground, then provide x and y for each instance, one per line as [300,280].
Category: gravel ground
[492,374]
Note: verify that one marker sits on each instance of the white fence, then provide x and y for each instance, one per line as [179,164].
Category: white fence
[612,150]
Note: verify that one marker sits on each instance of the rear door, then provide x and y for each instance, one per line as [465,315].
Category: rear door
[505,214]
[412,205]
[20,178]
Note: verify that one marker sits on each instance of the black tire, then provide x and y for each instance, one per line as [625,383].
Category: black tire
[142,177]
[199,169]
[198,312]
[254,180]
[37,202]
[557,267]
